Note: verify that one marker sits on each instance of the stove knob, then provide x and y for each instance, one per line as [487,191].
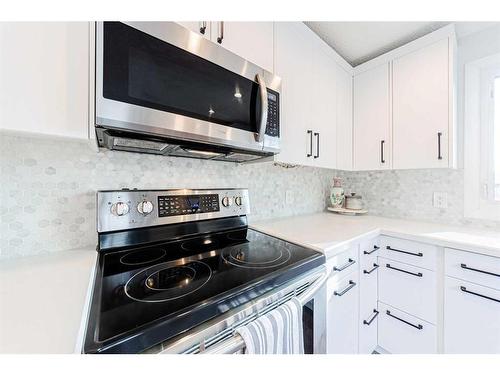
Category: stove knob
[145,207]
[226,201]
[120,209]
[238,201]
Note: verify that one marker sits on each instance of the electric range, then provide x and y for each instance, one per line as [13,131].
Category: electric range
[170,260]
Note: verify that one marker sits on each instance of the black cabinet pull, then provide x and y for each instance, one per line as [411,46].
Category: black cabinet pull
[464,289]
[351,285]
[375,266]
[203,27]
[439,145]
[382,158]
[400,270]
[419,326]
[349,263]
[317,145]
[310,132]
[375,248]
[404,252]
[464,266]
[220,38]
[372,318]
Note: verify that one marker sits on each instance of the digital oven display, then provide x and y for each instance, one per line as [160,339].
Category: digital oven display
[173,205]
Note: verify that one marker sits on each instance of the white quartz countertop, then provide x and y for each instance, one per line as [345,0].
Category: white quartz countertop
[331,233]
[42,301]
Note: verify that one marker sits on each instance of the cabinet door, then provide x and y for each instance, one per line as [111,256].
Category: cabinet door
[421,100]
[344,136]
[471,318]
[251,40]
[342,315]
[324,107]
[44,76]
[293,64]
[372,130]
[203,28]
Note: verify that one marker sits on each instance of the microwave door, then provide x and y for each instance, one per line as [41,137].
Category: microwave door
[146,84]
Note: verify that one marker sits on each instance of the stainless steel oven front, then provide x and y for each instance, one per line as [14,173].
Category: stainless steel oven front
[160,79]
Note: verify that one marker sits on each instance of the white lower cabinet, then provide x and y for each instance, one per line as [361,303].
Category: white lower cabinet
[402,333]
[411,289]
[342,315]
[368,295]
[471,318]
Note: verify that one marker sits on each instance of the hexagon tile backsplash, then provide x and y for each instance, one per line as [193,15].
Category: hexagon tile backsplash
[48,185]
[48,188]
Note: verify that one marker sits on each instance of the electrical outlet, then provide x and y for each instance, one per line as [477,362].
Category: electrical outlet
[440,200]
[289,197]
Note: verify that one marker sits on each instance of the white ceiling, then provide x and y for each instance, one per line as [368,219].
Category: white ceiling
[358,42]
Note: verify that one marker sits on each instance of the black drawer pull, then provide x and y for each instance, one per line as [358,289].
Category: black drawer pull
[349,263]
[372,318]
[400,270]
[404,252]
[464,266]
[375,266]
[351,285]
[464,289]
[375,248]
[419,326]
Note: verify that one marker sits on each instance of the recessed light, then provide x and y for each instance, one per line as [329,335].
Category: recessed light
[237,95]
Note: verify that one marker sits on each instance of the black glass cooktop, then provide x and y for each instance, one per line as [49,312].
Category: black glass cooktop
[146,295]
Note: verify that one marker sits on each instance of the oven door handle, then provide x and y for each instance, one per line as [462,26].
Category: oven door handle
[259,136]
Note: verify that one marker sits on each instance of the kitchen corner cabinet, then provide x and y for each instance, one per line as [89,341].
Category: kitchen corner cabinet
[344,134]
[251,40]
[372,119]
[44,76]
[421,100]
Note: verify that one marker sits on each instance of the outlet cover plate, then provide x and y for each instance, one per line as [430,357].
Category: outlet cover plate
[440,200]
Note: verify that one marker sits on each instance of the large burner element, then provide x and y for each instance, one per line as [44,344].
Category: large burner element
[167,281]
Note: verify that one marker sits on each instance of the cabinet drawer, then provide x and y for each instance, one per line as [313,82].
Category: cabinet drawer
[368,252]
[411,289]
[476,268]
[415,253]
[342,315]
[368,329]
[401,333]
[471,318]
[344,263]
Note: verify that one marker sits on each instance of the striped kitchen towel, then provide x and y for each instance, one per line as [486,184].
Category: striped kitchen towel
[277,332]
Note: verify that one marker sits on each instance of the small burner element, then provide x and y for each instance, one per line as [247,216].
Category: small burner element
[241,256]
[142,257]
[167,281]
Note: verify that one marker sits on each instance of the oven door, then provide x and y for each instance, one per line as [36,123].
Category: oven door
[161,79]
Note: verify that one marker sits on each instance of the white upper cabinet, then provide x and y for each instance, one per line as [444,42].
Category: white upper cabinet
[44,76]
[421,113]
[294,65]
[254,41]
[344,135]
[323,116]
[250,40]
[372,126]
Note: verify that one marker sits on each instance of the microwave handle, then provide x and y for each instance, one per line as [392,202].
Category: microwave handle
[259,137]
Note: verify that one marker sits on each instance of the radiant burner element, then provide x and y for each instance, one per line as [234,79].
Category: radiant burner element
[241,256]
[200,244]
[167,281]
[142,257]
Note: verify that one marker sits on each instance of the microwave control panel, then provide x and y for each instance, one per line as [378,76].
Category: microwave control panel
[273,114]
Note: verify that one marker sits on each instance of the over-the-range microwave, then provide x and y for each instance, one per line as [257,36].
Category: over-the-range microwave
[163,89]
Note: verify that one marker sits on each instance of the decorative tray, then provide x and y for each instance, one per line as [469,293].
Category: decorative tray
[347,211]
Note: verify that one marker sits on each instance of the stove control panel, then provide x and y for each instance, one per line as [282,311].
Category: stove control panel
[128,209]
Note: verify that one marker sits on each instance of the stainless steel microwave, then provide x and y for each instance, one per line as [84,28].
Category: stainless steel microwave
[162,89]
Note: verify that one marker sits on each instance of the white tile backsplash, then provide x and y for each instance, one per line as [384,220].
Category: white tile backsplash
[48,185]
